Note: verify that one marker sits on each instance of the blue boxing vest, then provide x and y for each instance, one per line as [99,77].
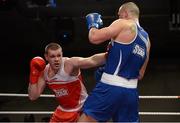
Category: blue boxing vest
[125,60]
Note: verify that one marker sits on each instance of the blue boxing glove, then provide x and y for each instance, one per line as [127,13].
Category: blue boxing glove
[94,20]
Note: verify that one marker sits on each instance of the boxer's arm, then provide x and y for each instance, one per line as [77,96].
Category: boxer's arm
[89,62]
[143,68]
[35,90]
[75,63]
[36,79]
[97,36]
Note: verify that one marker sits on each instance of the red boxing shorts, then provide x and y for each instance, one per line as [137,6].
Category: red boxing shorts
[62,116]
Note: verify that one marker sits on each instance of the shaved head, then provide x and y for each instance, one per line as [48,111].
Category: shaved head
[130,7]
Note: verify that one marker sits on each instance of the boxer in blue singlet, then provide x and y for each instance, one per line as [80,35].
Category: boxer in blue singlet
[115,95]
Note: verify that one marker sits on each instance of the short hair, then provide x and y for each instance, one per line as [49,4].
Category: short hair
[132,7]
[52,46]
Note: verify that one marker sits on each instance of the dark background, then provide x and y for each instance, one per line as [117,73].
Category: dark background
[26,26]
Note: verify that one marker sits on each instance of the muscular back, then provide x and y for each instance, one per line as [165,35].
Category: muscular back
[125,30]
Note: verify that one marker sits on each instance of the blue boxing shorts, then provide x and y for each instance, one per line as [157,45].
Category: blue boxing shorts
[108,102]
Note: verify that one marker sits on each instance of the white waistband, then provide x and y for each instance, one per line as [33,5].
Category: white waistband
[70,110]
[118,81]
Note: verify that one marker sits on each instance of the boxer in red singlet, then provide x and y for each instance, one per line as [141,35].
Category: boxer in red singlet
[62,75]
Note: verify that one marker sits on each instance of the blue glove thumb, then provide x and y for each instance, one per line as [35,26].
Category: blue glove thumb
[94,20]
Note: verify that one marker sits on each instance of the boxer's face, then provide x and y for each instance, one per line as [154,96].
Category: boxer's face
[54,57]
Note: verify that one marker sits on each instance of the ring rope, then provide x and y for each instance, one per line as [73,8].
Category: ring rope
[26,112]
[159,97]
[23,95]
[49,95]
[50,112]
[159,113]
